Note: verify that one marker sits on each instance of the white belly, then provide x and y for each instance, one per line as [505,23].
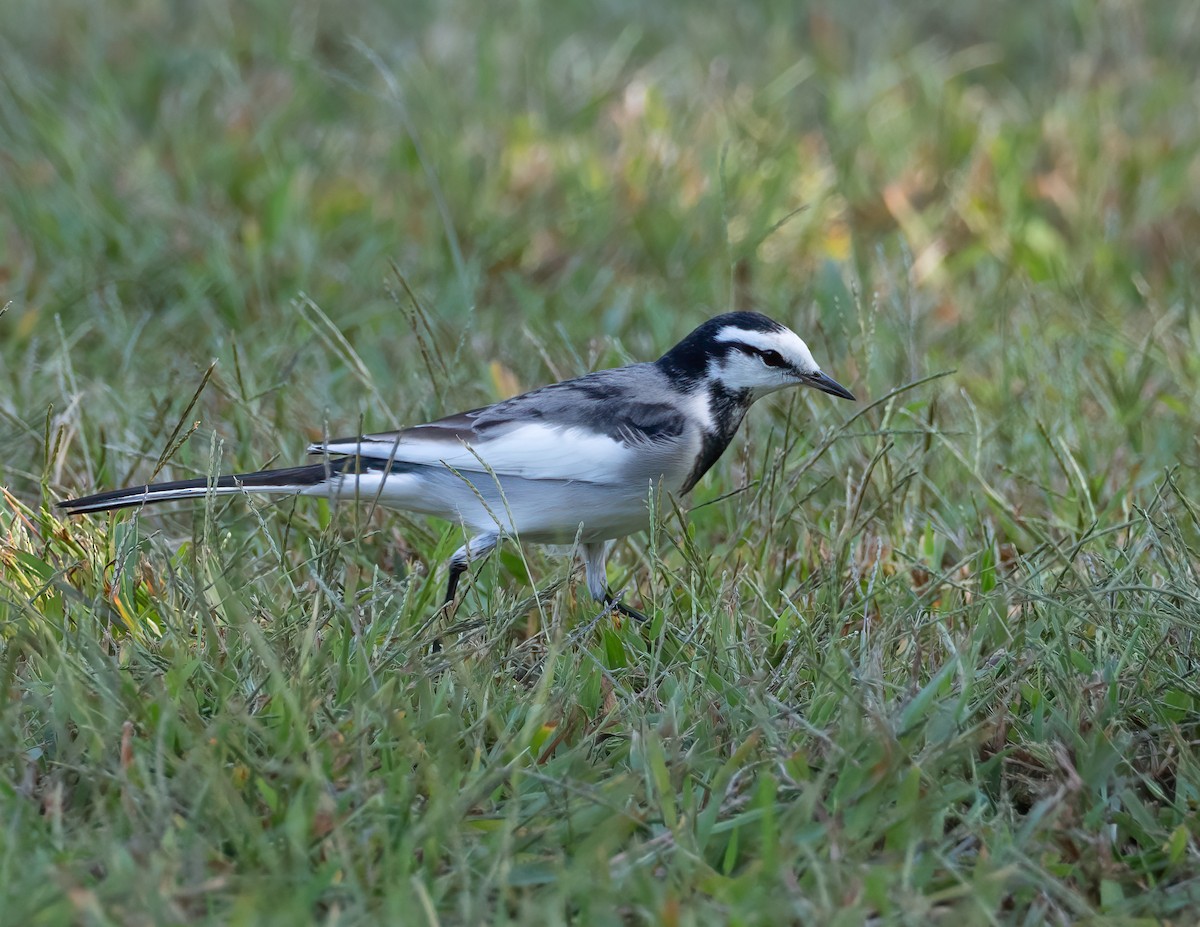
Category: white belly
[539,511]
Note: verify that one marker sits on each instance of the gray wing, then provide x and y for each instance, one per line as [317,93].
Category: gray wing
[612,424]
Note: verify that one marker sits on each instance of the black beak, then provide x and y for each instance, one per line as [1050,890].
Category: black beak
[828,385]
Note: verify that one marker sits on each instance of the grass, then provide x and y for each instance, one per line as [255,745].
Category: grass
[931,658]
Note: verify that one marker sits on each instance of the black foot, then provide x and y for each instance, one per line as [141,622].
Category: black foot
[622,609]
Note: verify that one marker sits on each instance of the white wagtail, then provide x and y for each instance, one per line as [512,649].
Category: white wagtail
[570,462]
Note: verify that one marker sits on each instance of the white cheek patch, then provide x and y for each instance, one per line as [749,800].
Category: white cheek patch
[741,371]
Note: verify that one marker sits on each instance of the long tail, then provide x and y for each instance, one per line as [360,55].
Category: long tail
[290,480]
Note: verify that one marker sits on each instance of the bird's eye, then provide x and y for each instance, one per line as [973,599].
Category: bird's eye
[773,359]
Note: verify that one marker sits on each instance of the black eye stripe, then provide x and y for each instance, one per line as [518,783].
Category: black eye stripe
[766,355]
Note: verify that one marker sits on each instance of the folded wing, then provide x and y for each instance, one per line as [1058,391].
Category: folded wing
[596,429]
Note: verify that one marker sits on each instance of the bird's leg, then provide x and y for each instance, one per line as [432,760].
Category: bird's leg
[594,557]
[457,569]
[478,546]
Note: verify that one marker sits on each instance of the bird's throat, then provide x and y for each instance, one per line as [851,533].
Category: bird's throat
[726,410]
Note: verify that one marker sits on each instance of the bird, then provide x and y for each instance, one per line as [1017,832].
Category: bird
[573,462]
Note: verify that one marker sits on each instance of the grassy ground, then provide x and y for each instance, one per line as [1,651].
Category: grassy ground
[930,658]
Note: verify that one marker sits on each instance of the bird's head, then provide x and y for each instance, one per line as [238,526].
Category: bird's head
[746,352]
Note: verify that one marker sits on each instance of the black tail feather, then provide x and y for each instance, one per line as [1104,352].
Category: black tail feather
[285,480]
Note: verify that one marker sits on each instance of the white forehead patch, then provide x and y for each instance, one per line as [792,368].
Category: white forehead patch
[785,341]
